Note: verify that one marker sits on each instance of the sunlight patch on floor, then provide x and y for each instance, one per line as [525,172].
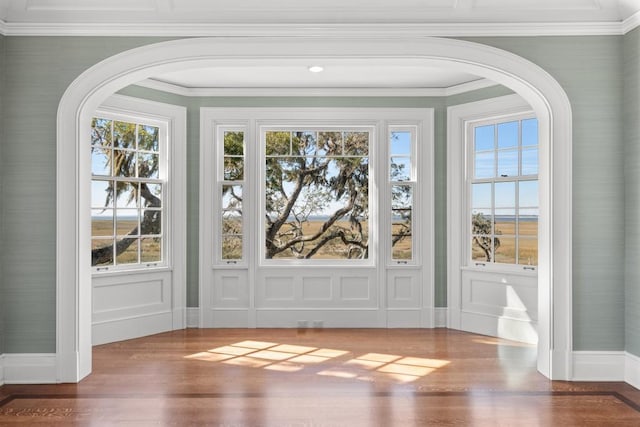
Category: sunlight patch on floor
[295,358]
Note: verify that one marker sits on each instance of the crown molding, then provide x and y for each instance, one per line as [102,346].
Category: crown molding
[631,23]
[399,30]
[3,28]
[306,91]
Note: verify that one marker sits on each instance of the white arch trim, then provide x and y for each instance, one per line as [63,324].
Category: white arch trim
[92,87]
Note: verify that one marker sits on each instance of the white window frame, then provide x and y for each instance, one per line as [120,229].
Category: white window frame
[172,172]
[418,177]
[252,120]
[115,114]
[469,140]
[220,181]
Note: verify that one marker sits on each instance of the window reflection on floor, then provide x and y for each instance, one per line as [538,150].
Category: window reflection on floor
[295,358]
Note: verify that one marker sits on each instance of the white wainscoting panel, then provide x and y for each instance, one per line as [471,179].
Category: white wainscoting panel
[403,288]
[230,289]
[131,305]
[315,288]
[29,368]
[501,305]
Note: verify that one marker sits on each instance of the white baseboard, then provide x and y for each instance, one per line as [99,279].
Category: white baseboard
[440,317]
[598,366]
[193,317]
[632,370]
[31,368]
[1,370]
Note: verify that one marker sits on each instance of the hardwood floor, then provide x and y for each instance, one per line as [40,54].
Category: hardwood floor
[319,378]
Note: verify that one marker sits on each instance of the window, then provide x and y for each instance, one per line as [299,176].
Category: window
[127,192]
[316,187]
[503,191]
[231,184]
[402,179]
[316,193]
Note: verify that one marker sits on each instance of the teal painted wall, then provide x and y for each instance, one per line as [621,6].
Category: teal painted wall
[631,102]
[39,69]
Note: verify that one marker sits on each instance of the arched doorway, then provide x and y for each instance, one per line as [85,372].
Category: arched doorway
[90,89]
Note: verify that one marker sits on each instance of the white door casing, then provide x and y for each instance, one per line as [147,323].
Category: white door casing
[83,96]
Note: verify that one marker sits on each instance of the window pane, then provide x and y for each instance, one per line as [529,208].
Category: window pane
[101,194]
[505,249]
[528,251]
[151,249]
[231,247]
[231,222]
[530,132]
[528,194]
[356,143]
[505,194]
[100,161]
[400,169]
[303,143]
[505,222]
[485,165]
[101,133]
[124,135]
[401,197]
[326,213]
[151,222]
[151,195]
[124,163]
[148,164]
[128,248]
[484,138]
[482,248]
[508,135]
[234,143]
[278,143]
[329,143]
[529,161]
[233,168]
[232,197]
[401,241]
[126,221]
[401,143]
[481,221]
[102,252]
[528,222]
[507,163]
[127,195]
[102,222]
[481,195]
[148,138]
[402,223]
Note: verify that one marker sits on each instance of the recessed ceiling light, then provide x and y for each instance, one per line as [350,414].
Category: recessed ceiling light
[316,69]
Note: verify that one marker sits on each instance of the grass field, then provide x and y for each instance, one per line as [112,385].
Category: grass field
[150,247]
[506,253]
[151,251]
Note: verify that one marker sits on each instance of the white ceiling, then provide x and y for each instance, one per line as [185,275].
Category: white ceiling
[333,76]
